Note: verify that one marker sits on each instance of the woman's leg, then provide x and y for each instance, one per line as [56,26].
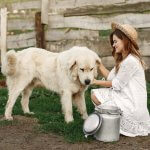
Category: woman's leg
[95,100]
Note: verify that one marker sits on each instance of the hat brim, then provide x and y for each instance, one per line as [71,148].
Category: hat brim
[115,26]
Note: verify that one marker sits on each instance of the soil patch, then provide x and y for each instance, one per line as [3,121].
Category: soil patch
[2,83]
[22,134]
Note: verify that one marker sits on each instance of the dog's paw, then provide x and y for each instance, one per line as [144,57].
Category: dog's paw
[9,118]
[69,119]
[85,116]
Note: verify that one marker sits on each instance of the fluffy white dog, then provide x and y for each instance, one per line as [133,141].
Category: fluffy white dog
[67,73]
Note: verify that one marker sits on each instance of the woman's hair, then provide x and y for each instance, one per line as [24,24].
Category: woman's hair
[130,48]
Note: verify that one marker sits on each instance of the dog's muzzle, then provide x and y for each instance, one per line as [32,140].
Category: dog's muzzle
[87,81]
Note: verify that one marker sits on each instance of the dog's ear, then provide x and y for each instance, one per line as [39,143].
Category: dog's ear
[96,68]
[73,69]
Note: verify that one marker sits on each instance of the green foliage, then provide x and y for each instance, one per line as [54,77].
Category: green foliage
[103,33]
[2,77]
[148,95]
[47,108]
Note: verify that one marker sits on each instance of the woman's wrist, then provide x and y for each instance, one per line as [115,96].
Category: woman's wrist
[102,83]
[94,82]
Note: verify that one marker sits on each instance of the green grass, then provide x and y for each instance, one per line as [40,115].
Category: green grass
[104,33]
[47,108]
[2,77]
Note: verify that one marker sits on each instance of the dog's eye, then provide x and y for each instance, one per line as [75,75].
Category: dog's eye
[82,69]
[91,69]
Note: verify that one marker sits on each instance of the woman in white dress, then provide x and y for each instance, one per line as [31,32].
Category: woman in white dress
[126,85]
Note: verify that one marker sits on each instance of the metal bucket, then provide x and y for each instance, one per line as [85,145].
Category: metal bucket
[109,128]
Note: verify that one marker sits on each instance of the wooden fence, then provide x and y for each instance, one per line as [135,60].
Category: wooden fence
[21,23]
[87,23]
[78,22]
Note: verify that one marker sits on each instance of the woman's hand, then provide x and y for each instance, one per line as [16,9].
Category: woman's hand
[103,70]
[94,81]
[102,83]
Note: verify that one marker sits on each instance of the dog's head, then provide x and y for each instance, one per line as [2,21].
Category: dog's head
[84,67]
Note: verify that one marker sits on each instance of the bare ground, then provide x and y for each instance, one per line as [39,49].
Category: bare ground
[23,135]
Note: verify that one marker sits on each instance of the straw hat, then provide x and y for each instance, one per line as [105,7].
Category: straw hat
[128,30]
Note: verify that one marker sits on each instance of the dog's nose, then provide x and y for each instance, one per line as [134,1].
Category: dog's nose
[87,81]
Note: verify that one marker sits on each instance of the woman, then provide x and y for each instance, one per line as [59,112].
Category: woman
[126,85]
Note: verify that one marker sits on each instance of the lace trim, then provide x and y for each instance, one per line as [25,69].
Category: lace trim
[130,126]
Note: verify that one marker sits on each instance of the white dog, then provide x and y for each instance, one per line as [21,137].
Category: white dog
[67,73]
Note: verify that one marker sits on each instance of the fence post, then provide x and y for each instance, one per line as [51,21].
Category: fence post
[44,11]
[3,30]
[39,28]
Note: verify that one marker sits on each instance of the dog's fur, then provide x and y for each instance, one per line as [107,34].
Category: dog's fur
[67,73]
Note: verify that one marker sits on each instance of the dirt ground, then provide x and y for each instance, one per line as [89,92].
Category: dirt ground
[23,135]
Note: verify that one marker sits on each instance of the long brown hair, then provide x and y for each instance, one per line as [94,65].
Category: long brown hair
[130,48]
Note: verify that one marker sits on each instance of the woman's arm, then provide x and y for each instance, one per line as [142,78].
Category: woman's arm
[102,83]
[103,70]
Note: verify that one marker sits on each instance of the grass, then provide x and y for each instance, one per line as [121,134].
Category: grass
[104,33]
[2,77]
[47,108]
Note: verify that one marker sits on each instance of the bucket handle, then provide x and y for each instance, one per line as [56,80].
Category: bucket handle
[119,112]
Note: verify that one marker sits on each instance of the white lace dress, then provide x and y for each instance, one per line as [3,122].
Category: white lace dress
[128,92]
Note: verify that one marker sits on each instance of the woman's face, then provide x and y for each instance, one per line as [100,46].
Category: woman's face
[118,44]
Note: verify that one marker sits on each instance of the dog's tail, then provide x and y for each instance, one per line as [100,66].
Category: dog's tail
[11,63]
[8,60]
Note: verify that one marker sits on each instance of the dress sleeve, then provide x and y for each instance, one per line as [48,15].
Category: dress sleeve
[126,71]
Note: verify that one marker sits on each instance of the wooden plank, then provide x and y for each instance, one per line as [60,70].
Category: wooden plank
[108,61]
[110,9]
[147,61]
[101,47]
[70,34]
[144,48]
[144,41]
[21,44]
[144,34]
[136,1]
[62,4]
[21,40]
[99,22]
[44,11]
[21,37]
[21,24]
[59,6]
[3,35]
[26,5]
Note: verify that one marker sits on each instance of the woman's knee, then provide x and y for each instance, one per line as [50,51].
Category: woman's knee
[95,100]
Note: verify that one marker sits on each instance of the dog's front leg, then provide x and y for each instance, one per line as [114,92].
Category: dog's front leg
[79,101]
[66,101]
